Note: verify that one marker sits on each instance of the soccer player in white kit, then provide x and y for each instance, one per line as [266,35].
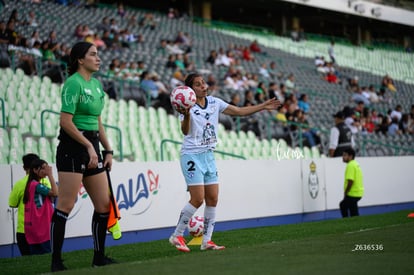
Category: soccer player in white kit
[199,125]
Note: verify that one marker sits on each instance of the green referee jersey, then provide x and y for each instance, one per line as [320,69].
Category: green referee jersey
[84,100]
[353,172]
[16,199]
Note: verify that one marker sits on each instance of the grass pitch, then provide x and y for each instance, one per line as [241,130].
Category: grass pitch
[375,244]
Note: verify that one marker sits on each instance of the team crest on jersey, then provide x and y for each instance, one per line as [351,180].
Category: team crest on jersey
[209,134]
[99,90]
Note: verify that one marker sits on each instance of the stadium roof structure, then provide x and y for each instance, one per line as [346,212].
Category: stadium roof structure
[368,9]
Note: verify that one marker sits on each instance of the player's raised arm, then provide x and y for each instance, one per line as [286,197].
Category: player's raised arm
[270,104]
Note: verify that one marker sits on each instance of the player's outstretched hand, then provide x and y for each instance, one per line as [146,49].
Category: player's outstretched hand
[271,104]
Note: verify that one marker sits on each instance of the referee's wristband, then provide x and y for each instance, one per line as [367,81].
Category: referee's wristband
[105,152]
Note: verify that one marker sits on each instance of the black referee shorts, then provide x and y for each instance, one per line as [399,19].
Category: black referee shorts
[71,156]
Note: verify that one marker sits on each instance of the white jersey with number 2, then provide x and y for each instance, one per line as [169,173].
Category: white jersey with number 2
[203,126]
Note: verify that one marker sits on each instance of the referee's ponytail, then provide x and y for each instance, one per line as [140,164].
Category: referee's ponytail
[78,51]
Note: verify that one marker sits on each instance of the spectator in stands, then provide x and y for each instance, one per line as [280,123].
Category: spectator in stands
[273,91]
[113,25]
[282,95]
[235,99]
[12,34]
[249,98]
[16,201]
[357,96]
[372,94]
[367,124]
[224,58]
[148,21]
[290,84]
[173,48]
[340,136]
[213,86]
[393,128]
[353,185]
[353,84]
[179,62]
[38,207]
[33,38]
[397,112]
[404,124]
[177,79]
[31,19]
[35,50]
[263,72]
[211,59]
[383,96]
[78,156]
[247,54]
[310,134]
[14,16]
[78,33]
[254,47]
[303,103]
[104,25]
[273,72]
[260,95]
[120,10]
[388,83]
[171,64]
[384,122]
[98,42]
[352,119]
[148,85]
[183,41]
[4,34]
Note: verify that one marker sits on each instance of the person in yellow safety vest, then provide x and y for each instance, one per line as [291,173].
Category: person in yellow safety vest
[353,185]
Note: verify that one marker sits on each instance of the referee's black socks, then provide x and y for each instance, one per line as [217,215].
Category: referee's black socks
[57,234]
[99,228]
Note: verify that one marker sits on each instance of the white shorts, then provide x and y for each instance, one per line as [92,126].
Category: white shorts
[199,169]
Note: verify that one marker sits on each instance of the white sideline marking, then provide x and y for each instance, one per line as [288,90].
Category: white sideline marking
[372,228]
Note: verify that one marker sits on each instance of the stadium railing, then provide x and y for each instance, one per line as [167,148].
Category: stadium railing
[165,141]
[3,114]
[119,132]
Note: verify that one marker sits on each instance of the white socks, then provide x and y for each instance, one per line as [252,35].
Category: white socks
[209,222]
[185,215]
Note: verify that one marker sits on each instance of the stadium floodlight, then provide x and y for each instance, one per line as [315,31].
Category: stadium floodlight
[359,8]
[376,11]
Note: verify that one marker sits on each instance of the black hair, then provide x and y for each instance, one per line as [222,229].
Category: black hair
[350,152]
[189,80]
[28,159]
[78,51]
[36,164]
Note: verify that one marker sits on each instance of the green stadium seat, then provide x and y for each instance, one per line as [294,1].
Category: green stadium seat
[45,150]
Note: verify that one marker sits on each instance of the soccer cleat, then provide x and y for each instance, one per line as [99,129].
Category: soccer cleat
[99,260]
[210,245]
[116,231]
[57,266]
[179,243]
